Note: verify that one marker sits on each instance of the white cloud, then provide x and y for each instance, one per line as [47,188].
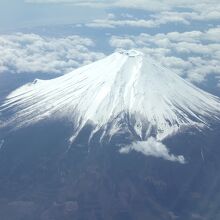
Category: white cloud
[151,147]
[192,36]
[206,9]
[213,34]
[156,19]
[141,4]
[91,3]
[110,23]
[33,53]
[158,5]
[207,14]
[194,54]
[121,43]
[141,23]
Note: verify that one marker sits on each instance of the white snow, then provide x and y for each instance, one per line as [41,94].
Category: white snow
[125,86]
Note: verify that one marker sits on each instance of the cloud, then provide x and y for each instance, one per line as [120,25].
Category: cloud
[140,23]
[194,54]
[110,23]
[143,4]
[31,53]
[204,10]
[121,43]
[213,34]
[156,19]
[158,5]
[91,3]
[151,147]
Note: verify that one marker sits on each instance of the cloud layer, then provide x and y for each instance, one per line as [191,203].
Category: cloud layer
[194,54]
[155,19]
[180,34]
[153,22]
[31,53]
[204,9]
[143,4]
[151,147]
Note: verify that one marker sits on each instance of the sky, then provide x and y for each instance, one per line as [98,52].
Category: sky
[20,13]
[57,36]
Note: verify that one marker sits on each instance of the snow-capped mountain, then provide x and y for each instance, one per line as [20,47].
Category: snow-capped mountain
[126,91]
[131,98]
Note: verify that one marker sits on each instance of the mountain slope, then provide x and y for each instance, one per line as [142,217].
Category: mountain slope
[124,91]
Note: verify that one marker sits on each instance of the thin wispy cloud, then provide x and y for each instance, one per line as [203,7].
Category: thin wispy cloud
[142,4]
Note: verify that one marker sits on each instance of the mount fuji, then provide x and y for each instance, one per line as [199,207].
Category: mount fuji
[126,91]
[95,144]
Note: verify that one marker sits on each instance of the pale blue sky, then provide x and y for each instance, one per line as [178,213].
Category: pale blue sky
[15,14]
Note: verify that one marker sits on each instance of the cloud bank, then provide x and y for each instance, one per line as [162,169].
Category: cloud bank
[151,147]
[182,35]
[31,53]
[155,20]
[156,5]
[194,54]
[203,10]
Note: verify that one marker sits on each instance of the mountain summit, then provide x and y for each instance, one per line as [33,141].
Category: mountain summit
[124,92]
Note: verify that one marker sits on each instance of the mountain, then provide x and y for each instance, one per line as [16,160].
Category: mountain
[126,87]
[100,143]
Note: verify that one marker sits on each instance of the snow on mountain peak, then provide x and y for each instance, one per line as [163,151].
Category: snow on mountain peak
[131,53]
[126,91]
